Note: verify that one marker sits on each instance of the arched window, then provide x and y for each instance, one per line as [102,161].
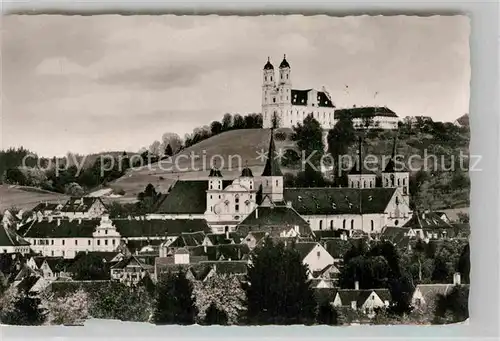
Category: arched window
[371,184]
[265,78]
[404,182]
[210,186]
[352,224]
[321,224]
[331,224]
[343,224]
[372,225]
[364,184]
[387,182]
[398,182]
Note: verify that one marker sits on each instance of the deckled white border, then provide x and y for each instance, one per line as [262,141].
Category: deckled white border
[485,205]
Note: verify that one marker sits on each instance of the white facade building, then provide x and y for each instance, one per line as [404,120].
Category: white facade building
[289,106]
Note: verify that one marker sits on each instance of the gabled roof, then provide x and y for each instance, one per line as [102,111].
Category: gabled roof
[186,197]
[106,256]
[45,206]
[80,204]
[138,245]
[360,296]
[221,252]
[65,229]
[329,200]
[188,239]
[133,260]
[463,120]
[300,97]
[422,220]
[304,248]
[272,167]
[325,295]
[360,112]
[217,238]
[273,216]
[159,227]
[233,267]
[10,238]
[430,291]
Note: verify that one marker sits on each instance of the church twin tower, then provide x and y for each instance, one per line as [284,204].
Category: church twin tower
[283,106]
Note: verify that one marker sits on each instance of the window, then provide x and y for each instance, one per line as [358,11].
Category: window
[398,182]
[277,183]
[76,242]
[321,224]
[271,78]
[210,197]
[237,208]
[331,224]
[34,241]
[343,224]
[114,241]
[226,228]
[364,183]
[89,242]
[52,242]
[352,224]
[404,182]
[274,99]
[106,231]
[63,242]
[418,302]
[210,186]
[63,253]
[372,225]
[52,253]
[397,200]
[265,78]
[105,242]
[405,191]
[396,222]
[98,242]
[287,76]
[318,254]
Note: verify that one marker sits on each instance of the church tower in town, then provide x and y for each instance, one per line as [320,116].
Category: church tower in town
[272,178]
[359,176]
[396,175]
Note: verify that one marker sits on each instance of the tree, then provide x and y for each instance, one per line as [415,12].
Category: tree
[453,307]
[339,139]
[215,316]
[21,307]
[70,309]
[310,178]
[463,265]
[441,272]
[168,150]
[278,290]
[215,128]
[275,121]
[174,300]
[120,302]
[309,138]
[223,291]
[327,315]
[89,267]
[227,122]
[173,140]
[238,122]
[74,189]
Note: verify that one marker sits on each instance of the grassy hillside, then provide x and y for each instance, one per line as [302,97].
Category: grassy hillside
[26,197]
[233,146]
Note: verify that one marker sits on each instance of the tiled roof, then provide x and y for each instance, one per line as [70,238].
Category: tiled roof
[188,239]
[138,245]
[464,120]
[299,97]
[304,248]
[360,112]
[272,167]
[215,172]
[186,197]
[57,264]
[217,238]
[426,220]
[65,229]
[268,65]
[233,267]
[221,252]
[45,206]
[135,260]
[107,256]
[430,291]
[10,238]
[159,227]
[360,296]
[325,295]
[79,204]
[326,200]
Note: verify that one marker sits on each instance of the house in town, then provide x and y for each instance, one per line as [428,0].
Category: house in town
[11,242]
[425,295]
[325,278]
[131,270]
[429,225]
[463,121]
[364,300]
[83,208]
[45,209]
[313,255]
[212,239]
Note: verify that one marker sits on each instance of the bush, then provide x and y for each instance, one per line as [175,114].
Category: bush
[21,308]
[280,136]
[71,309]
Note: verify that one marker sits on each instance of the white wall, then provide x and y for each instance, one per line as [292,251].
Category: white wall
[318,259]
[358,222]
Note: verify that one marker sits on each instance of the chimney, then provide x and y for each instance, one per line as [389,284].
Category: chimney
[58,222]
[356,285]
[456,278]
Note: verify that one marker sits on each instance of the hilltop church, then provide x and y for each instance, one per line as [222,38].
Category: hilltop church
[226,204]
[284,107]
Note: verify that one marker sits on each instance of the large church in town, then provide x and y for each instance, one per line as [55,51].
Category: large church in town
[284,106]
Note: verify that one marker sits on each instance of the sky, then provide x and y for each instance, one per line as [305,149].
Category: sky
[88,84]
